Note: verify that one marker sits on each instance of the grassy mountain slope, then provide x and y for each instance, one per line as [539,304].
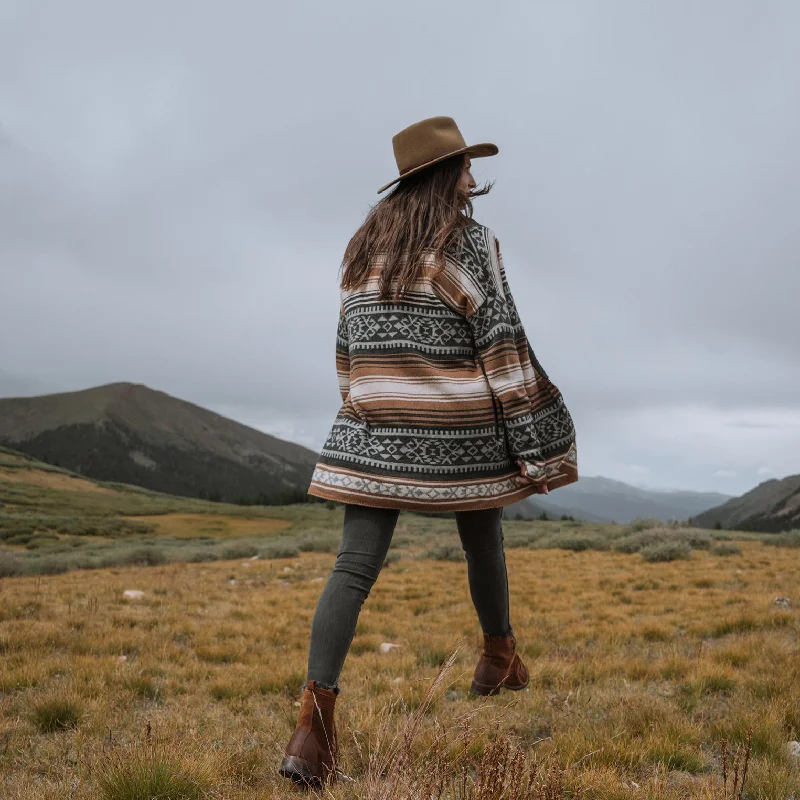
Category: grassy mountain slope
[130,433]
[54,520]
[772,506]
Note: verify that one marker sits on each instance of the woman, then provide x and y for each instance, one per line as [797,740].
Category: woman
[444,408]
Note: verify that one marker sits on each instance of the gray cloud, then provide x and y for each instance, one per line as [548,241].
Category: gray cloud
[178,183]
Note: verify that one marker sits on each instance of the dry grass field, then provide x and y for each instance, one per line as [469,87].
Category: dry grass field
[192,526]
[49,480]
[655,673]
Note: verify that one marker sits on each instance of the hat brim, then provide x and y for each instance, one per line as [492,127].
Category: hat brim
[473,150]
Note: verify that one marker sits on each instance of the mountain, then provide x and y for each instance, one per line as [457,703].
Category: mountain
[772,506]
[129,433]
[597,499]
[533,509]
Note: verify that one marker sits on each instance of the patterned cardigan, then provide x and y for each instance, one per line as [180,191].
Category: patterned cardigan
[444,404]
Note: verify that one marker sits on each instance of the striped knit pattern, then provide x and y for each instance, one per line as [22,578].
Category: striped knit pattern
[444,404]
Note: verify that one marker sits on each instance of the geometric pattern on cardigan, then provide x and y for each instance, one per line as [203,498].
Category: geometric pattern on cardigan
[444,403]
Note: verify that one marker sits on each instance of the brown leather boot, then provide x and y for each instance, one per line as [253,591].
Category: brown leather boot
[499,666]
[312,752]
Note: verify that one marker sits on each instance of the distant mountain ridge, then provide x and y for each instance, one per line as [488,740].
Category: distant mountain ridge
[771,507]
[598,499]
[130,433]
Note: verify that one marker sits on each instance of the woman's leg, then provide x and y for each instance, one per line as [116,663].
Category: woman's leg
[366,536]
[481,533]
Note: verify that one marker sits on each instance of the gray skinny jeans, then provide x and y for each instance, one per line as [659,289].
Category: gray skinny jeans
[366,537]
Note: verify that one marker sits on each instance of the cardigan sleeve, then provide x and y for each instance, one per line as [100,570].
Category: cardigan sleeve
[503,348]
[343,355]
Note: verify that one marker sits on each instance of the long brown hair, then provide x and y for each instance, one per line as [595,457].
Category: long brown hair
[423,213]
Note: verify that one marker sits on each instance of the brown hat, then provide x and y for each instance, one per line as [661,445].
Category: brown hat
[429,141]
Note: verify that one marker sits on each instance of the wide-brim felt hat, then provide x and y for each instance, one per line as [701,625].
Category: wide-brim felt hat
[429,141]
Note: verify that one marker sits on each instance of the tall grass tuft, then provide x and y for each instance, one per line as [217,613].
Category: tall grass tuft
[459,759]
[56,714]
[155,770]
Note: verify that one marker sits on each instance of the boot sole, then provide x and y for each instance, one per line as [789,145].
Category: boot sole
[299,770]
[486,690]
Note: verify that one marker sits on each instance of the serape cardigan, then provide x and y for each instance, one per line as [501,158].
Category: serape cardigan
[444,404]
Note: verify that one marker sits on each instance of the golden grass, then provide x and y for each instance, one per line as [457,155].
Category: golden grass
[51,480]
[639,672]
[218,526]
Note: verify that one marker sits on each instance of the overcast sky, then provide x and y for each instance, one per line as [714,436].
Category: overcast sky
[178,182]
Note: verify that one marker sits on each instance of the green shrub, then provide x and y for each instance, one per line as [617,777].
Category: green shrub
[40,540]
[310,543]
[205,554]
[726,549]
[239,550]
[445,552]
[570,541]
[146,556]
[788,539]
[634,542]
[280,550]
[700,540]
[97,526]
[19,538]
[12,528]
[390,559]
[586,541]
[522,537]
[650,537]
[50,565]
[643,525]
[9,564]
[666,551]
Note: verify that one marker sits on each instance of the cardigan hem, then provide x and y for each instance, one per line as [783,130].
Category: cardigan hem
[386,501]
